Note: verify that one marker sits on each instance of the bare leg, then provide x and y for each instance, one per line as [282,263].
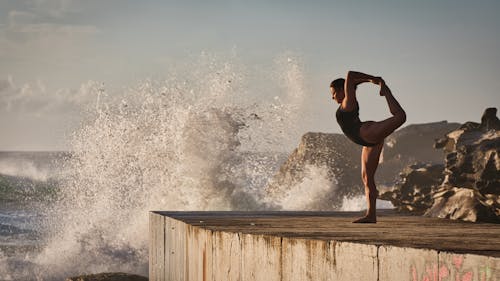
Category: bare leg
[376,132]
[369,162]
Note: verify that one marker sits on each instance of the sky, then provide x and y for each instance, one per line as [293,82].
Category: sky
[440,58]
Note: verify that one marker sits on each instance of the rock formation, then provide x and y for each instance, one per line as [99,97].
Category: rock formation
[467,187]
[414,192]
[471,187]
[411,145]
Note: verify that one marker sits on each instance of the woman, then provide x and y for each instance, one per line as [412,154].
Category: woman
[369,134]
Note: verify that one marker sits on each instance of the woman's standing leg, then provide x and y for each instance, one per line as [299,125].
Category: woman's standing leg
[369,162]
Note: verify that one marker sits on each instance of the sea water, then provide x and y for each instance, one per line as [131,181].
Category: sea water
[207,137]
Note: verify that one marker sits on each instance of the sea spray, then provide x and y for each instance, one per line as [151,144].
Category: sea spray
[305,195]
[23,168]
[199,140]
[208,137]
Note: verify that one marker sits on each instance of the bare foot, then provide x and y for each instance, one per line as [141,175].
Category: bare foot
[366,219]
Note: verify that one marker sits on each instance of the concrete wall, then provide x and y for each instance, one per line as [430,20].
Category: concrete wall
[182,252]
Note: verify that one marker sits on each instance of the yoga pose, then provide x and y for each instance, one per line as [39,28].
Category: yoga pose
[369,134]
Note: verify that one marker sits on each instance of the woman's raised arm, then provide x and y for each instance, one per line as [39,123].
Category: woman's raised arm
[352,80]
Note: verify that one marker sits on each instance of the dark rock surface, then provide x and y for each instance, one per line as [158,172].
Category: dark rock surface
[467,187]
[466,204]
[108,276]
[471,187]
[414,192]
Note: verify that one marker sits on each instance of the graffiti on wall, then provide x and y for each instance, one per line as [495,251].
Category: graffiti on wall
[452,270]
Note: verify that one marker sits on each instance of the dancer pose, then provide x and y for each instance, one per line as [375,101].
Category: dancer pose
[369,134]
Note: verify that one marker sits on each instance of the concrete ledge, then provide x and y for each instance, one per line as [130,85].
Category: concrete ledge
[319,246]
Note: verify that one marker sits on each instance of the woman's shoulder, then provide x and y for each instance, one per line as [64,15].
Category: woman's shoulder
[344,109]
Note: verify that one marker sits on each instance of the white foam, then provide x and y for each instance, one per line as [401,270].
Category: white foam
[187,143]
[358,203]
[23,168]
[307,194]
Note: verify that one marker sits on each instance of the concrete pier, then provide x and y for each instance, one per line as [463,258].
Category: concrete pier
[271,246]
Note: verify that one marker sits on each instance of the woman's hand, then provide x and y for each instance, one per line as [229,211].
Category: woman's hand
[378,81]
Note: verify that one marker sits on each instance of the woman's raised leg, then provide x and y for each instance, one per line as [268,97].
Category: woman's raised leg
[376,132]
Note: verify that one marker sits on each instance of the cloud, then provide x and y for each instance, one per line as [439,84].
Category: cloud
[28,26]
[36,99]
[55,8]
[44,29]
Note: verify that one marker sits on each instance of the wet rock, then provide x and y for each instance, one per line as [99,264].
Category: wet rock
[108,276]
[414,192]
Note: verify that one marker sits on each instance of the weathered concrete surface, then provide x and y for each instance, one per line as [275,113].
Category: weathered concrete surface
[108,276]
[319,246]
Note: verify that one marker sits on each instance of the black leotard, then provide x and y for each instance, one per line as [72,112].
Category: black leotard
[349,123]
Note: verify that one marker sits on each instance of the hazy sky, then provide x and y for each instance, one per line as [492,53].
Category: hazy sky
[441,58]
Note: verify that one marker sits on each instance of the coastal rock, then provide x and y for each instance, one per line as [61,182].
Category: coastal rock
[465,204]
[411,145]
[472,155]
[414,192]
[414,143]
[334,152]
[108,276]
[471,186]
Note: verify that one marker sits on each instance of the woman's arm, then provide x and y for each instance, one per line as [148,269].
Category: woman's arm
[357,78]
[352,80]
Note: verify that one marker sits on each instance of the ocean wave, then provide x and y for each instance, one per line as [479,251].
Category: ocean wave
[36,166]
[209,138]
[24,190]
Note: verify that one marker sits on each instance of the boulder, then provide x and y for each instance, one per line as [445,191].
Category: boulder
[472,171]
[414,192]
[108,276]
[464,204]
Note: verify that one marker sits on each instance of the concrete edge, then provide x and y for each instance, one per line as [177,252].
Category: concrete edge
[179,251]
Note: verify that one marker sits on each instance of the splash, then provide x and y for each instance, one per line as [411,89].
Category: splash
[307,194]
[358,203]
[23,168]
[206,138]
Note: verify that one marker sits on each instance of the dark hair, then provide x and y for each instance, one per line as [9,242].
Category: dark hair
[338,83]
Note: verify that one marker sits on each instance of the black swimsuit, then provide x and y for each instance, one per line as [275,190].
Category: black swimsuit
[349,123]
